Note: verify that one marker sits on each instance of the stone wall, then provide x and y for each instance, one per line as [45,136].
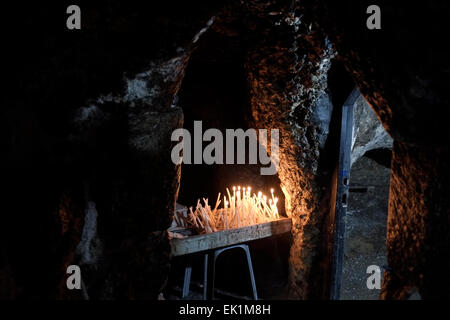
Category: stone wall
[368,132]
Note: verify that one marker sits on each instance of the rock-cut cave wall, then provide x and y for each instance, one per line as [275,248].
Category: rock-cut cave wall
[88,115]
[289,91]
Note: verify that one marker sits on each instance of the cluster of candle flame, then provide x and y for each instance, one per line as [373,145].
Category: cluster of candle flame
[240,209]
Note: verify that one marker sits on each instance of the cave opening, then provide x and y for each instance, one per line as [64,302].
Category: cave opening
[367,209]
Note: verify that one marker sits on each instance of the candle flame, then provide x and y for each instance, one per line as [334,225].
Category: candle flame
[237,211]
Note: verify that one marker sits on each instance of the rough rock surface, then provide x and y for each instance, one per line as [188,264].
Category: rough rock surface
[418,236]
[400,69]
[368,132]
[288,86]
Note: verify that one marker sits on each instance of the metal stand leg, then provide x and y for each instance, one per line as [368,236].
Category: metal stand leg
[210,266]
[250,269]
[187,281]
[205,276]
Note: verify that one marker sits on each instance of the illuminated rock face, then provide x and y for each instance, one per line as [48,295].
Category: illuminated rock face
[289,90]
[368,132]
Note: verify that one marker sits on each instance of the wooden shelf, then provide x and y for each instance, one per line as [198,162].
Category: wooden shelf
[230,237]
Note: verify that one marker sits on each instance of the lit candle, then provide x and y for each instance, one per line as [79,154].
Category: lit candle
[275,207]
